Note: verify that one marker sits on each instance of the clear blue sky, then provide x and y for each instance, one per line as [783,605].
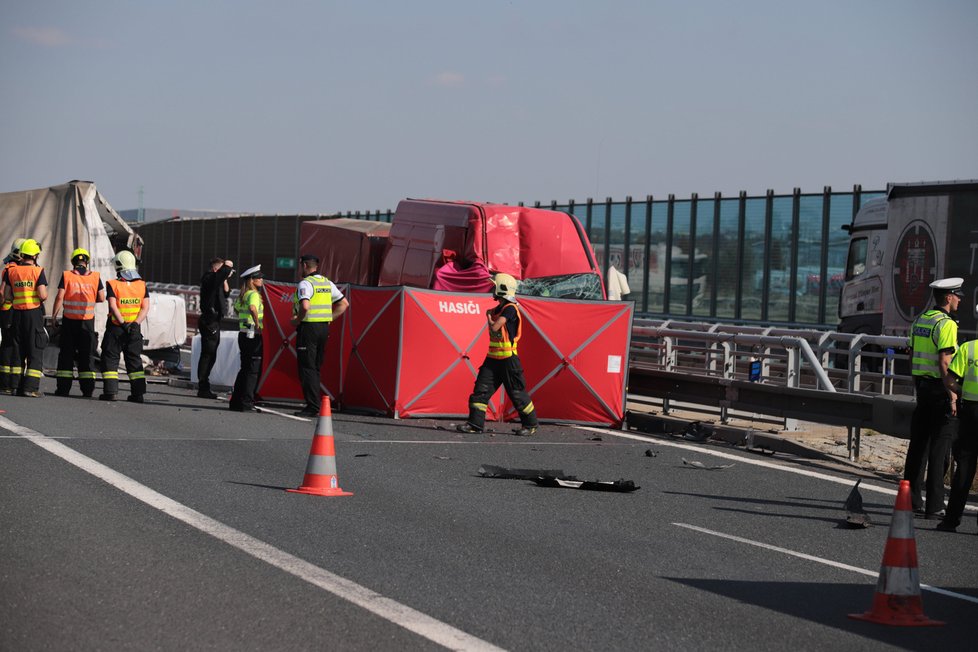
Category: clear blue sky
[321,106]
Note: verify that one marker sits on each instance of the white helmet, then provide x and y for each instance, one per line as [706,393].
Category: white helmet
[505,287]
[125,261]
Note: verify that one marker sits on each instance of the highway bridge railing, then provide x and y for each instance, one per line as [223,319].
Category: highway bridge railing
[852,380]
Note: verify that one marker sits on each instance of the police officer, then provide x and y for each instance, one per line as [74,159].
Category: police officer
[213,304]
[78,292]
[502,364]
[128,307]
[251,315]
[10,369]
[26,286]
[933,340]
[962,379]
[317,302]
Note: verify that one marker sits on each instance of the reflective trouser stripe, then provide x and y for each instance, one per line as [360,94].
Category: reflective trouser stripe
[33,373]
[136,375]
[63,373]
[4,369]
[110,375]
[86,374]
[898,581]
[528,408]
[481,407]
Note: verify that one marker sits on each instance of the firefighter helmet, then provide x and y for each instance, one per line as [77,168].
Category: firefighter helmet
[80,253]
[505,287]
[15,248]
[125,261]
[30,248]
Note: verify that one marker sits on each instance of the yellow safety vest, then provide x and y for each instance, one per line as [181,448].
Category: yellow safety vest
[242,306]
[500,346]
[927,337]
[321,303]
[964,365]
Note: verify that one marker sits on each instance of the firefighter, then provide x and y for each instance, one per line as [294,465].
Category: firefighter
[933,341]
[502,364]
[80,289]
[251,314]
[10,369]
[128,307]
[26,286]
[317,302]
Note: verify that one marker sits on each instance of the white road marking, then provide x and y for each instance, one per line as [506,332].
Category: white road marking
[388,609]
[889,491]
[820,560]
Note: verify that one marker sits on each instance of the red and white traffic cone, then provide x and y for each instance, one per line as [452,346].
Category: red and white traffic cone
[320,478]
[897,599]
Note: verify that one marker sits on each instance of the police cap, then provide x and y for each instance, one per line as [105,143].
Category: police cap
[253,272]
[948,286]
[305,258]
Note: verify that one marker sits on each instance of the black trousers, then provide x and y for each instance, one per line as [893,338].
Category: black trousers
[10,367]
[507,372]
[210,338]
[965,460]
[78,339]
[30,339]
[931,432]
[116,341]
[310,348]
[243,394]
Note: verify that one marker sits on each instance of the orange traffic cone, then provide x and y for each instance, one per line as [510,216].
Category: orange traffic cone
[320,477]
[897,599]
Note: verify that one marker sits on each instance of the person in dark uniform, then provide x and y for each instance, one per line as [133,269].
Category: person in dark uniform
[80,289]
[213,301]
[502,364]
[251,315]
[933,340]
[316,303]
[128,301]
[962,379]
[26,286]
[10,369]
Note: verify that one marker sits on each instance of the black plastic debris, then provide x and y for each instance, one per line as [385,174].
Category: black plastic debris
[856,516]
[651,453]
[696,431]
[490,471]
[619,486]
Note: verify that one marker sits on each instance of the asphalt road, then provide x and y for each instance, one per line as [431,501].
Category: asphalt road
[166,526]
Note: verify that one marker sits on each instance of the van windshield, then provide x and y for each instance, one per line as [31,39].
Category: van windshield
[856,260]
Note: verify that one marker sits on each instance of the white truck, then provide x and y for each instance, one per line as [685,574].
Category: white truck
[898,245]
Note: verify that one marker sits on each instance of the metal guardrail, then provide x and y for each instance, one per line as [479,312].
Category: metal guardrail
[840,379]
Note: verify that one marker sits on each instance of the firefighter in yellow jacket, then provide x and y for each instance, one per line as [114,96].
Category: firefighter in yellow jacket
[502,364]
[80,289]
[128,307]
[26,286]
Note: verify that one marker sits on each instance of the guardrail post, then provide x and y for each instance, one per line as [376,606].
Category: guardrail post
[855,362]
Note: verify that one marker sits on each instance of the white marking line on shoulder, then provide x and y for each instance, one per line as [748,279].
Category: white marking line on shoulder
[820,560]
[388,609]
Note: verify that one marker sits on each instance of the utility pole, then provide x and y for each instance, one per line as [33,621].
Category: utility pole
[140,215]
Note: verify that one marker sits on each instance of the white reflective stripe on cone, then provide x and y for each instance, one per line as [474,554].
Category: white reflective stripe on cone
[898,581]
